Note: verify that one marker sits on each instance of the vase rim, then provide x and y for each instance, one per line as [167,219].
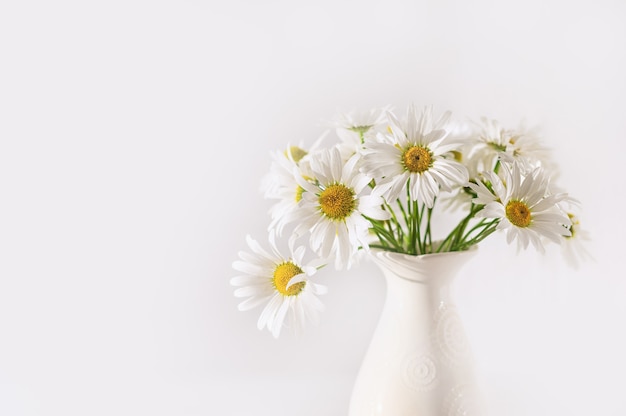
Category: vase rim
[423,268]
[471,249]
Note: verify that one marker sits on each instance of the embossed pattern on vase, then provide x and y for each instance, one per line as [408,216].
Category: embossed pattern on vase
[461,401]
[420,372]
[450,337]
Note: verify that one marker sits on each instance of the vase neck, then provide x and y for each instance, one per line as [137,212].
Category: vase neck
[427,269]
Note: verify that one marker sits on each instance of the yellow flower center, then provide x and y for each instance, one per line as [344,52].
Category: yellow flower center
[283,274]
[337,201]
[518,213]
[296,153]
[299,191]
[574,226]
[417,159]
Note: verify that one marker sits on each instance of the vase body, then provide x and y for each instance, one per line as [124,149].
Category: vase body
[418,362]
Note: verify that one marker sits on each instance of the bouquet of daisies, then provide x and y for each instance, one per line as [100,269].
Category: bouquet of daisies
[380,186]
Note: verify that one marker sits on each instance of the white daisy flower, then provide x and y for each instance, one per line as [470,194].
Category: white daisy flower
[356,127]
[492,142]
[414,155]
[281,183]
[523,205]
[527,148]
[281,283]
[487,144]
[334,207]
[574,246]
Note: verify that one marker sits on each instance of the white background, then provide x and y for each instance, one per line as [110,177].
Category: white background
[133,135]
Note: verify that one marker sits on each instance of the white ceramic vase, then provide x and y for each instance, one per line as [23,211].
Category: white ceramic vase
[419,361]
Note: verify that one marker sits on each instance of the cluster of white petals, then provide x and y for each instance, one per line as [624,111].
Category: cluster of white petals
[377,186]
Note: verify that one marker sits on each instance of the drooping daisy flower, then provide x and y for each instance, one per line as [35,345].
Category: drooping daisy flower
[413,155]
[523,205]
[574,246]
[334,207]
[281,283]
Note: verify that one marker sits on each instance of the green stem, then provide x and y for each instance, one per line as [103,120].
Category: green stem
[398,230]
[428,229]
[458,238]
[385,237]
[489,229]
[449,243]
[418,225]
